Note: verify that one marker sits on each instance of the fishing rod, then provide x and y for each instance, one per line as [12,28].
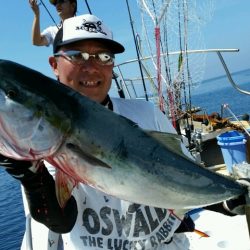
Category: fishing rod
[137,52]
[41,1]
[189,127]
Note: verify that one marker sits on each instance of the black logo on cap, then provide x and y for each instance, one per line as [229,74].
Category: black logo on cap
[93,27]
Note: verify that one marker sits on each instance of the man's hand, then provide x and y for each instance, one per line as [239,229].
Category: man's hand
[237,205]
[17,168]
[34,6]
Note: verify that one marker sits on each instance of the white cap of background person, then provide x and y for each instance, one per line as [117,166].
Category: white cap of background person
[86,27]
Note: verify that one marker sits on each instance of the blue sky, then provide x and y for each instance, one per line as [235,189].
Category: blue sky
[229,28]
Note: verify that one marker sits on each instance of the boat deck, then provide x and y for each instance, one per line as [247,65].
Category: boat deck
[225,232]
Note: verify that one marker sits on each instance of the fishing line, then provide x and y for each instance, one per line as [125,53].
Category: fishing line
[166,51]
[159,48]
[180,67]
[137,52]
[187,58]
[41,1]
[154,9]
[158,59]
[164,44]
[150,8]
[146,71]
[188,102]
[180,59]
[86,2]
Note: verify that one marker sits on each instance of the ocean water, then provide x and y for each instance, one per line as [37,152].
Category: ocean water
[12,220]
[209,95]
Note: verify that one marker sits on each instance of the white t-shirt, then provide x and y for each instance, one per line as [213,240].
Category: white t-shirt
[50,34]
[105,222]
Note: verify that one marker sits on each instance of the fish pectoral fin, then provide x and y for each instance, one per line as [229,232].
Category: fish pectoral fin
[169,140]
[64,186]
[88,158]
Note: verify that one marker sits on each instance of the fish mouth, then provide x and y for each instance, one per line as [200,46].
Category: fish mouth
[89,84]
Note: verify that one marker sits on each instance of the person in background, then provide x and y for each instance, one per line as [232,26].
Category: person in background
[84,53]
[65,9]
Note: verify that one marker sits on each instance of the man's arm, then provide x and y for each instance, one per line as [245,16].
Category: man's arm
[37,38]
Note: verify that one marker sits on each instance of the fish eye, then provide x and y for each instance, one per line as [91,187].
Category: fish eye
[11,93]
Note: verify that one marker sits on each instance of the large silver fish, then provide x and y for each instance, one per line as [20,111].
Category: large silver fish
[41,119]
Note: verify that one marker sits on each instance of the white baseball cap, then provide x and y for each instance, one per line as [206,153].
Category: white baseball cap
[86,27]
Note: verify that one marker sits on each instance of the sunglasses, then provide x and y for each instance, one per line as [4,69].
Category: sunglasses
[55,2]
[79,57]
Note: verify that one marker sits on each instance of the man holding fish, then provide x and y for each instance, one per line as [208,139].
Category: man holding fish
[104,212]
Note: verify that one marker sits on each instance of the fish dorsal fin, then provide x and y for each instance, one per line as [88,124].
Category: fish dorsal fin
[169,140]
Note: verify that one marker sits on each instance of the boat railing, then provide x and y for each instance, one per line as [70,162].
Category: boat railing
[54,239]
[28,233]
[132,82]
[229,76]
